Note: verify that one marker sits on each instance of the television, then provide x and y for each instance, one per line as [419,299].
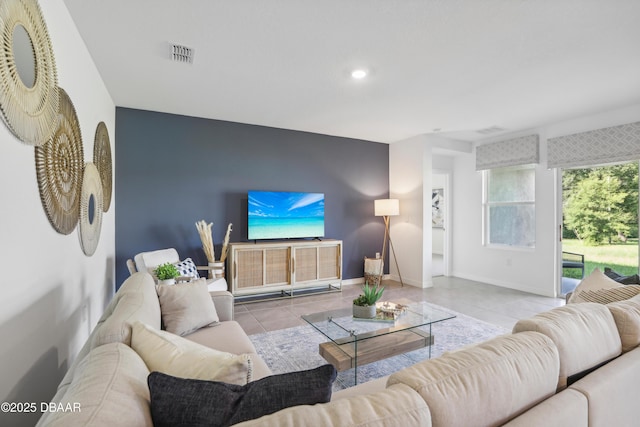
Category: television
[285,215]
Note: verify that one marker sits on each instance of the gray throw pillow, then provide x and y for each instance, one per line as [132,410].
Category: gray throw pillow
[181,402]
[186,307]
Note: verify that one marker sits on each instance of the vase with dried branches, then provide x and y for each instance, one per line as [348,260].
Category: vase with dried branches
[204,230]
[225,243]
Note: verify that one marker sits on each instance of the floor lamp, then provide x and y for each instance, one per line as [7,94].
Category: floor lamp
[387,208]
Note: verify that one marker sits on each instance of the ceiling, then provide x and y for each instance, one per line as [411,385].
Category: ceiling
[451,67]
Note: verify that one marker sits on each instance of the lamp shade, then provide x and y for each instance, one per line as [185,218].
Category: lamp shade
[387,207]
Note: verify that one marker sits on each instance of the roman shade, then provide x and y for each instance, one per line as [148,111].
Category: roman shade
[600,146]
[512,152]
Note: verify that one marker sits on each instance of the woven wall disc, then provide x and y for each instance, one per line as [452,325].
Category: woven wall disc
[29,105]
[90,209]
[102,160]
[59,168]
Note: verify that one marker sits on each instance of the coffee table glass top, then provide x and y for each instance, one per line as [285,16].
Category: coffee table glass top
[341,327]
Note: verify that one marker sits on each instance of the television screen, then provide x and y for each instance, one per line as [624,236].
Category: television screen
[285,215]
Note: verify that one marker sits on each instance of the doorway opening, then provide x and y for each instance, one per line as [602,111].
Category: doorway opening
[599,222]
[440,224]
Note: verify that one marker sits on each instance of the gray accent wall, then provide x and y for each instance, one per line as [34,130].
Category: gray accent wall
[172,171]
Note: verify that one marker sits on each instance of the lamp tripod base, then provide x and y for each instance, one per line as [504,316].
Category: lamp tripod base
[387,238]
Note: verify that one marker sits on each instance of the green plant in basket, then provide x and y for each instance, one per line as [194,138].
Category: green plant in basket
[166,271]
[369,296]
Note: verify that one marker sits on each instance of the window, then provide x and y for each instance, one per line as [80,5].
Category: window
[509,208]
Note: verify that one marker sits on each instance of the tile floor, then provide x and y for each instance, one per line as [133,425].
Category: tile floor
[492,304]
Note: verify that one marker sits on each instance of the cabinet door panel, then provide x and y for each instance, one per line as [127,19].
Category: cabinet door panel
[250,268]
[306,264]
[277,266]
[329,266]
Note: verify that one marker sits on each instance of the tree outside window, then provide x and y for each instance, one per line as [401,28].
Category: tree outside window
[601,204]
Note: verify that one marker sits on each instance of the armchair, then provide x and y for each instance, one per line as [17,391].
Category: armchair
[148,261]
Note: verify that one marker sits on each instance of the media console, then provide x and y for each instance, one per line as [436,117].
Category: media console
[284,267]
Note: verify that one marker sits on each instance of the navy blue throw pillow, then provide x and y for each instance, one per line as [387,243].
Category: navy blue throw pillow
[188,402]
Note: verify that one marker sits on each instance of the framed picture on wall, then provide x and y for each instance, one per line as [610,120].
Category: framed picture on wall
[437,208]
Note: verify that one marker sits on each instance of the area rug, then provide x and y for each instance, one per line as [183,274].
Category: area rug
[296,348]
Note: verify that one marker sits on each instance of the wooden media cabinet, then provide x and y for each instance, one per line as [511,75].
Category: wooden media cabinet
[284,267]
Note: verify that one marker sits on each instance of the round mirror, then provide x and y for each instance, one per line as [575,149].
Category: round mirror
[92,209]
[24,56]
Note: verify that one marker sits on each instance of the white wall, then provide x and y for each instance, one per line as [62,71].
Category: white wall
[409,180]
[411,163]
[528,270]
[52,294]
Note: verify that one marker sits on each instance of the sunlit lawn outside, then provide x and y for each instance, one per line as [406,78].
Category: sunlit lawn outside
[620,257]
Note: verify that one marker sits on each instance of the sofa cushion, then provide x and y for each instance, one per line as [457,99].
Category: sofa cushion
[168,353]
[367,387]
[612,391]
[110,389]
[585,334]
[224,336]
[178,401]
[186,307]
[136,300]
[230,337]
[568,408]
[493,381]
[594,282]
[397,406]
[627,317]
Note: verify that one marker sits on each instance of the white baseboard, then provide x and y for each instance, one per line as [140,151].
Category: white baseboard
[360,280]
[508,285]
[354,281]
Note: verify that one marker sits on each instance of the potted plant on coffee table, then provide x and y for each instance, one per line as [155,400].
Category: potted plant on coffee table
[166,274]
[365,305]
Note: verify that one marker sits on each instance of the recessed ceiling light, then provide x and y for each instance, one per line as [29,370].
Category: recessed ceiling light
[359,74]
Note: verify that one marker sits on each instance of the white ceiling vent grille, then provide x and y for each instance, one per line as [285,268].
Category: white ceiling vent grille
[490,130]
[180,53]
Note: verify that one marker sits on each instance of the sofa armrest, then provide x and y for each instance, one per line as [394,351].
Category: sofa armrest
[223,301]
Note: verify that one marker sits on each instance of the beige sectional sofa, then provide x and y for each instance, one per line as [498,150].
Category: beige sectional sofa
[577,365]
[109,380]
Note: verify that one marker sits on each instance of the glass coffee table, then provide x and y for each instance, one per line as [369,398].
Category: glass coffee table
[355,342]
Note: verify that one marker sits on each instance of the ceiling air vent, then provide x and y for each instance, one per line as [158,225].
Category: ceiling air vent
[490,130]
[181,53]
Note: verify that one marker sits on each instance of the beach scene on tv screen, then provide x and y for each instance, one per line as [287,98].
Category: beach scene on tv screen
[284,215]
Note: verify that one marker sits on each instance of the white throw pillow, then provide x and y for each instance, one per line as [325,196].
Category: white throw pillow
[173,355]
[186,307]
[594,282]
